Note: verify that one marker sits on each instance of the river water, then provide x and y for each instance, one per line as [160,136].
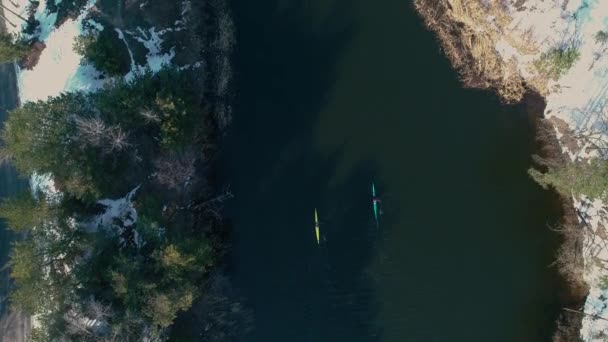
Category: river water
[333,95]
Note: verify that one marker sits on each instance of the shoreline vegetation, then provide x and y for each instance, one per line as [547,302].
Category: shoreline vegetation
[122,230]
[473,54]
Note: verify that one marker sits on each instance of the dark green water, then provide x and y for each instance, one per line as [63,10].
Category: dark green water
[333,95]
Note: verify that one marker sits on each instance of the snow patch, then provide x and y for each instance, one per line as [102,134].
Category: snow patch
[95,25]
[152,41]
[45,185]
[592,215]
[59,69]
[15,9]
[119,211]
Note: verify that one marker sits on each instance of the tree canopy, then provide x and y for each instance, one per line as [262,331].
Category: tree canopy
[138,276]
[10,49]
[578,178]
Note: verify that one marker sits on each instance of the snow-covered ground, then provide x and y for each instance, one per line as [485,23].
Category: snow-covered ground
[59,69]
[16,8]
[594,216]
[152,41]
[579,99]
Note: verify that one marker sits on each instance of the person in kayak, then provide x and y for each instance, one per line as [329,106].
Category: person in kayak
[376,201]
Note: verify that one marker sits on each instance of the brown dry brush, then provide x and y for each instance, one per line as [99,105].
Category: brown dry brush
[549,150]
[568,328]
[470,50]
[570,264]
[175,170]
[219,314]
[569,258]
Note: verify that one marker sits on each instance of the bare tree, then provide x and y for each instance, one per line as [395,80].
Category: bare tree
[219,199]
[213,205]
[90,323]
[92,130]
[77,325]
[175,170]
[98,311]
[570,254]
[130,328]
[95,132]
[117,139]
[150,116]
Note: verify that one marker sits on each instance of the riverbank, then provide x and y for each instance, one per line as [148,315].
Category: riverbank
[557,51]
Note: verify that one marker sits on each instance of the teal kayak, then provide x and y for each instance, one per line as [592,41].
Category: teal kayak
[375,202]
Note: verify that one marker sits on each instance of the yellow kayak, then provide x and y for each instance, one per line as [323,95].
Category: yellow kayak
[317,227]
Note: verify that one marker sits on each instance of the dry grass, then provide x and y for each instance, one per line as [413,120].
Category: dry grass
[538,83]
[469,40]
[523,43]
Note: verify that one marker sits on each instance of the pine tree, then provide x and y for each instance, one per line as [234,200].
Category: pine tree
[577,178]
[24,212]
[10,49]
[26,271]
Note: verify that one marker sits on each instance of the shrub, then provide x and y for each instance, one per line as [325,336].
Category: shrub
[557,61]
[604,283]
[10,49]
[579,178]
[23,212]
[601,37]
[162,309]
[176,121]
[105,51]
